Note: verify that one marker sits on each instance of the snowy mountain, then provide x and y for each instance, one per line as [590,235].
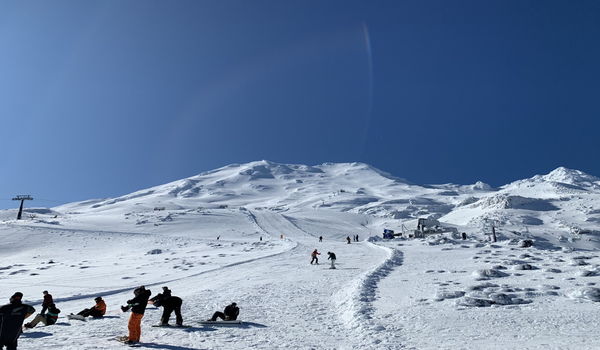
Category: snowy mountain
[560,203]
[244,233]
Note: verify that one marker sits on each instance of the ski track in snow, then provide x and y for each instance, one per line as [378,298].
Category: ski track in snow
[356,303]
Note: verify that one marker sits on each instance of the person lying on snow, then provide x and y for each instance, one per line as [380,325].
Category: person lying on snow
[49,318]
[96,311]
[230,313]
[169,303]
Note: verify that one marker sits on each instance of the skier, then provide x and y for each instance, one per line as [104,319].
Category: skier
[357,238]
[332,258]
[320,238]
[138,307]
[47,301]
[169,303]
[315,259]
[49,318]
[464,236]
[230,313]
[96,311]
[348,239]
[11,321]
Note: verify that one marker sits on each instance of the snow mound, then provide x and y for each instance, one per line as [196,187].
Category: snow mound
[485,274]
[444,294]
[589,293]
[507,201]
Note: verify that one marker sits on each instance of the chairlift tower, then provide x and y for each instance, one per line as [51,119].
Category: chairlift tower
[22,198]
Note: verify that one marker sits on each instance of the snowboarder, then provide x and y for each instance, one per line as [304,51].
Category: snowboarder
[12,316]
[169,303]
[230,313]
[332,258]
[96,311]
[49,318]
[315,258]
[348,239]
[47,301]
[138,307]
[166,292]
[320,238]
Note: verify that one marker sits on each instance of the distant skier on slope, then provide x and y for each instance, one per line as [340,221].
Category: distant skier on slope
[348,239]
[11,321]
[169,303]
[320,238]
[332,258]
[49,318]
[314,256]
[138,307]
[230,313]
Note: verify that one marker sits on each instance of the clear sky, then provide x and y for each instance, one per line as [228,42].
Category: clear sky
[102,98]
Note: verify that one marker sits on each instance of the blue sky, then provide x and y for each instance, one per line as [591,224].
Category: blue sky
[102,98]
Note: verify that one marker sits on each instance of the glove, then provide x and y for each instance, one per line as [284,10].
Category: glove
[125,308]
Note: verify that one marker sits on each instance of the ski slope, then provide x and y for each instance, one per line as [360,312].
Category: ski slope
[244,233]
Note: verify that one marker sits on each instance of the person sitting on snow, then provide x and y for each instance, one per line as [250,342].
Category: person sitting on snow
[49,318]
[96,311]
[230,313]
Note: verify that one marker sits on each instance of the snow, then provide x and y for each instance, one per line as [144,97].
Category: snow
[244,233]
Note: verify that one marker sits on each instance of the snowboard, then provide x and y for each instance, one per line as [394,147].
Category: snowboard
[171,326]
[76,317]
[123,339]
[221,323]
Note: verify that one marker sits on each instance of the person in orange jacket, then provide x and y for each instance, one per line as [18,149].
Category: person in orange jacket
[315,258]
[96,311]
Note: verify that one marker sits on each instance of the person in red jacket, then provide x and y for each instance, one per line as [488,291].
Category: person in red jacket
[315,257]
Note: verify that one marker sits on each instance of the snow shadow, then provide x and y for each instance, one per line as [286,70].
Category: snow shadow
[252,325]
[165,346]
[35,334]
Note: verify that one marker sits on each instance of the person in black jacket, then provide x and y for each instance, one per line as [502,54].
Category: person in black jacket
[49,318]
[47,301]
[230,313]
[11,321]
[332,258]
[138,307]
[169,303]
